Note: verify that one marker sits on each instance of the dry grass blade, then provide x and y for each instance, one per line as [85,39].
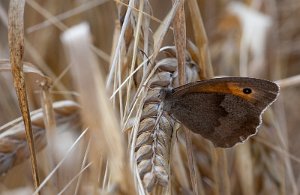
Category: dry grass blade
[180,42]
[27,68]
[50,124]
[53,19]
[105,133]
[160,33]
[131,58]
[245,168]
[60,163]
[119,43]
[59,24]
[76,177]
[204,60]
[289,82]
[44,12]
[137,34]
[48,109]
[16,44]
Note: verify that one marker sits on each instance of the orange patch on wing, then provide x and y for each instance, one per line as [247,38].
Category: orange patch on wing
[223,88]
[211,88]
[237,89]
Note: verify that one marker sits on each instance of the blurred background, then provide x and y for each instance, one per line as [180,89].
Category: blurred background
[245,38]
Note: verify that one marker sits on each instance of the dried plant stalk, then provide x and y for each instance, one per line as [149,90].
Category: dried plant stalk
[97,112]
[180,42]
[221,171]
[203,55]
[152,147]
[156,127]
[16,46]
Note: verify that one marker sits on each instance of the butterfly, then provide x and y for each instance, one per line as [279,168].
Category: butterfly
[224,110]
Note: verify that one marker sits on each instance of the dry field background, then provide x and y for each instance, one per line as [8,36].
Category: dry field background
[93,70]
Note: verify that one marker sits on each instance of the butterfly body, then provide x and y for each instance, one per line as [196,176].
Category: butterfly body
[225,110]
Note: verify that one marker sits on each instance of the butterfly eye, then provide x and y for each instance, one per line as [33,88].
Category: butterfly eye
[247,90]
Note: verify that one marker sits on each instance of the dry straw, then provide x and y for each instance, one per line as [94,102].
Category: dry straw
[119,140]
[16,46]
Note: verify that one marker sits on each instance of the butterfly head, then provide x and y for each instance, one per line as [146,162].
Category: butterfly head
[164,93]
[164,96]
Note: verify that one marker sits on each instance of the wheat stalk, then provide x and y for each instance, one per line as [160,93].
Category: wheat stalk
[137,67]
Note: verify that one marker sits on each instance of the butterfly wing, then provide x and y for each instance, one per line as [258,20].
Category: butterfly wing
[224,110]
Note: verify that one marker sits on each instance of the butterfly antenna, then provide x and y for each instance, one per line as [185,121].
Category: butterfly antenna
[142,51]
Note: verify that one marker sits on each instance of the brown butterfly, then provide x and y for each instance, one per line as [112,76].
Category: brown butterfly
[225,110]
